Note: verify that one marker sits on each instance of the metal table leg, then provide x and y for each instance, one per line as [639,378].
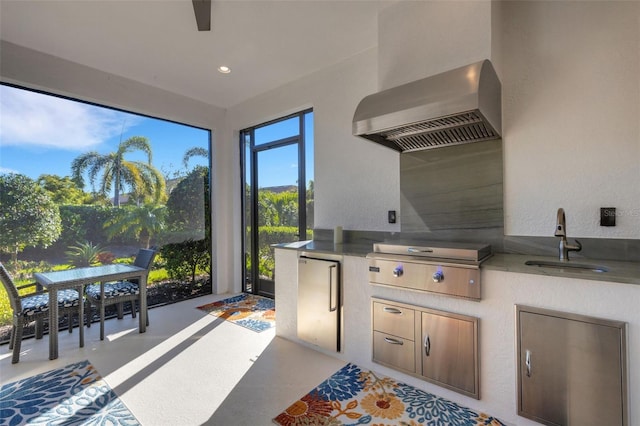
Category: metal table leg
[143,304]
[53,322]
[80,315]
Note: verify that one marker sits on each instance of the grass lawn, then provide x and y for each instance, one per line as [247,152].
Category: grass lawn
[155,276]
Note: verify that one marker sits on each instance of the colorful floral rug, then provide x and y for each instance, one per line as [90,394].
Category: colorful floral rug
[73,395]
[353,396]
[256,313]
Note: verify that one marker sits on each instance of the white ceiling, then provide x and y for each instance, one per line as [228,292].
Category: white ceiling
[266,43]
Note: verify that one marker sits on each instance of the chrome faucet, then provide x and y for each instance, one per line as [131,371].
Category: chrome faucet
[561,231]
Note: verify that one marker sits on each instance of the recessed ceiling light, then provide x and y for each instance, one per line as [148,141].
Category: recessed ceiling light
[224,69]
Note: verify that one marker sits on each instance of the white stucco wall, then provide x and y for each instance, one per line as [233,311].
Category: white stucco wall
[417,39]
[571,115]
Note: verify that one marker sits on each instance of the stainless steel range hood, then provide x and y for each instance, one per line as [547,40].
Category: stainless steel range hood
[459,106]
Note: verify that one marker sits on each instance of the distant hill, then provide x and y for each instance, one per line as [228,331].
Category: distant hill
[282,188]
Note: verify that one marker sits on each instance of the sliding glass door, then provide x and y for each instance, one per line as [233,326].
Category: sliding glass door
[276,199]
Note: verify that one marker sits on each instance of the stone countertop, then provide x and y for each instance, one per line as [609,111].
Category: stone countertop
[620,272]
[329,247]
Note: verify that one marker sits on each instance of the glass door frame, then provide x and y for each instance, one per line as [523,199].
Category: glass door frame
[254,149]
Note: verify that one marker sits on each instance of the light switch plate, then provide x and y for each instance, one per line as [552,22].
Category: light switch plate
[607,216]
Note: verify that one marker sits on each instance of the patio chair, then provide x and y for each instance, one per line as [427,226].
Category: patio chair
[118,292]
[34,306]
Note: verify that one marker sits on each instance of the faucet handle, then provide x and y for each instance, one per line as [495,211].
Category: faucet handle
[577,247]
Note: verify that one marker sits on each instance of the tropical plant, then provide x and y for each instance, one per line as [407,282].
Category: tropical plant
[28,216]
[117,172]
[194,152]
[84,254]
[142,222]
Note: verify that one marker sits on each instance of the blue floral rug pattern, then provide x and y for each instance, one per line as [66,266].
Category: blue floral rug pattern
[256,313]
[72,395]
[353,396]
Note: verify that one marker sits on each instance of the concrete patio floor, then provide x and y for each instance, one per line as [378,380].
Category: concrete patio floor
[189,368]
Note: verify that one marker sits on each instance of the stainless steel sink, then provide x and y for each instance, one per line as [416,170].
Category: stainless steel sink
[570,266]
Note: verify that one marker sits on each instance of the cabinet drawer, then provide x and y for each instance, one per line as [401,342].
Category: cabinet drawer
[394,320]
[394,351]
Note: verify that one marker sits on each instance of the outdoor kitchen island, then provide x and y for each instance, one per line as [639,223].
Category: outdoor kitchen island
[506,282]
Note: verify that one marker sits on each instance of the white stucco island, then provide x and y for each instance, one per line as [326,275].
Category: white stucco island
[501,292]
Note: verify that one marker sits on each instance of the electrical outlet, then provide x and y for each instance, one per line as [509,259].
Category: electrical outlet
[392,216]
[607,216]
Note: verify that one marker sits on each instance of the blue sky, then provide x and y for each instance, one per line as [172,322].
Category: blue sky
[42,134]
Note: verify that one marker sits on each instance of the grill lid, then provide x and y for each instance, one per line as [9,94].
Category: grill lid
[472,252]
[456,107]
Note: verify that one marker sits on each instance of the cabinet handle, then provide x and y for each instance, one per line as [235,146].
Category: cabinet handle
[417,250]
[527,362]
[393,341]
[333,293]
[427,345]
[392,310]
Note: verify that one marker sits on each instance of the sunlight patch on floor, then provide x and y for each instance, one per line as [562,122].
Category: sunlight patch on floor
[115,336]
[155,353]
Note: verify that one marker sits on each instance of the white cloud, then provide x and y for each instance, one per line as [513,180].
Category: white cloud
[6,170]
[31,118]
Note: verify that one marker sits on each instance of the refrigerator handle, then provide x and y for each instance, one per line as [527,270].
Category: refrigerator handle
[333,293]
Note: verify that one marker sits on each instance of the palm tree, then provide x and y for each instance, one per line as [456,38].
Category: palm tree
[143,178]
[142,222]
[194,152]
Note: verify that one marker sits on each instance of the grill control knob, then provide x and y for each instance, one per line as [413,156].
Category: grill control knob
[438,276]
[398,271]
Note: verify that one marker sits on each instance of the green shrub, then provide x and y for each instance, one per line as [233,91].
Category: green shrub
[277,234]
[5,308]
[157,275]
[184,260]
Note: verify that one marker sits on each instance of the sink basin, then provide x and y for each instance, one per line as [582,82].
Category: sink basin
[570,266]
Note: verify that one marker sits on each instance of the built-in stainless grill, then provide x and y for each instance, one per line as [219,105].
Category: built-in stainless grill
[451,269]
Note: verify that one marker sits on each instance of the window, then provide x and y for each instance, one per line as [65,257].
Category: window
[112,182]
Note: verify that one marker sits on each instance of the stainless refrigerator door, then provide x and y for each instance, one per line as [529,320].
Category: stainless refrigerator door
[319,302]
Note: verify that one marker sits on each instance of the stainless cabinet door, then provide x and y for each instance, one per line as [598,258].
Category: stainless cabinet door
[570,371]
[319,302]
[449,352]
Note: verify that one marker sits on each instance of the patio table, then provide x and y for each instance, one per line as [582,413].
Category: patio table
[78,278]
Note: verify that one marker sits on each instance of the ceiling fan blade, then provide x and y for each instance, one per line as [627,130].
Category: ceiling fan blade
[202,9]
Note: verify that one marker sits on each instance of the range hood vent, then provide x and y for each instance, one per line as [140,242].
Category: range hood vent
[456,107]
